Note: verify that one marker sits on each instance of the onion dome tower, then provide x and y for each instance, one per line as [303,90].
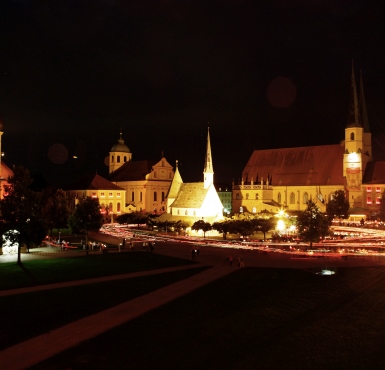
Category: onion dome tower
[119,154]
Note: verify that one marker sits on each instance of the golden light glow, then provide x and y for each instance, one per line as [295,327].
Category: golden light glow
[353,157]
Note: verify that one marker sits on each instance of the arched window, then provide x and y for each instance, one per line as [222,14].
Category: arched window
[292,198]
[132,196]
[279,198]
[162,196]
[186,212]
[124,159]
[247,195]
[118,207]
[195,212]
[254,210]
[240,209]
[305,198]
[352,136]
[118,159]
[112,159]
[178,212]
[140,196]
[256,196]
[155,196]
[110,207]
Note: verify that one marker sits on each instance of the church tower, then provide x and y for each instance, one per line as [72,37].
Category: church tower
[368,155]
[358,145]
[119,154]
[208,172]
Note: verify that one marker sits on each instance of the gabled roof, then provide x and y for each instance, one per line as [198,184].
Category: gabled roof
[311,165]
[175,184]
[374,173]
[190,195]
[93,182]
[132,171]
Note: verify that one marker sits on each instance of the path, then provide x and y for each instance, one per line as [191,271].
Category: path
[42,347]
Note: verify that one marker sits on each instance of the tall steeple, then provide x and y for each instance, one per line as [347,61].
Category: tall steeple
[208,172]
[365,124]
[354,111]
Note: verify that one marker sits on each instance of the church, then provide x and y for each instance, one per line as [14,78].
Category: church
[286,178]
[145,182]
[191,202]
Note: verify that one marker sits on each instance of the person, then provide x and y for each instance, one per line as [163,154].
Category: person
[193,254]
[241,262]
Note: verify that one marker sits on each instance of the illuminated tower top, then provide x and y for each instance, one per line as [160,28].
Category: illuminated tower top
[208,171]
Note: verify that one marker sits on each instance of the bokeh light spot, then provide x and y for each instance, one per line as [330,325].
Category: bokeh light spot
[281,92]
[57,153]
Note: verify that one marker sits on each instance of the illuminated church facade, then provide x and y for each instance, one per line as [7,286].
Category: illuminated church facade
[146,183]
[194,201]
[287,178]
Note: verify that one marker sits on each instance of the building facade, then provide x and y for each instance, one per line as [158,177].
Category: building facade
[287,178]
[197,200]
[145,182]
[112,198]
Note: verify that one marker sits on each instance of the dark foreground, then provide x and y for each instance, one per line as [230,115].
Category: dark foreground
[254,318]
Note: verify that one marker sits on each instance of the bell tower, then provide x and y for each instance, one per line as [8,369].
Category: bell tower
[208,172]
[357,145]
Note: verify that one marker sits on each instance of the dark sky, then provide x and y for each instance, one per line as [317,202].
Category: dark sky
[265,74]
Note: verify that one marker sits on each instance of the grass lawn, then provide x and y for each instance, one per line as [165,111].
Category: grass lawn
[255,318]
[32,314]
[37,272]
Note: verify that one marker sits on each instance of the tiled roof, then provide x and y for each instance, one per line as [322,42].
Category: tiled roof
[312,165]
[132,171]
[374,173]
[175,185]
[190,195]
[93,182]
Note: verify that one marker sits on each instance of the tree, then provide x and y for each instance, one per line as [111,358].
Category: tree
[339,206]
[21,211]
[381,213]
[265,225]
[223,227]
[55,208]
[138,218]
[312,224]
[202,225]
[86,217]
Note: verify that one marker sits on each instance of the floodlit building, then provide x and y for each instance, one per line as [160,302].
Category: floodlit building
[225,195]
[5,171]
[287,178]
[146,182]
[196,200]
[112,198]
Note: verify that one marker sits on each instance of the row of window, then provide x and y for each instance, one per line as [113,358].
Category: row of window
[369,200]
[186,212]
[369,189]
[141,196]
[118,159]
[107,208]
[305,197]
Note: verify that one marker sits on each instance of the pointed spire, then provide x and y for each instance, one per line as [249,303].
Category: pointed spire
[354,113]
[208,172]
[363,111]
[208,163]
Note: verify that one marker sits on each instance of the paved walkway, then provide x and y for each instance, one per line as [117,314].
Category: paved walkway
[42,347]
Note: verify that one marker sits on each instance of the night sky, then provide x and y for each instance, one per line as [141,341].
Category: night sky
[261,74]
